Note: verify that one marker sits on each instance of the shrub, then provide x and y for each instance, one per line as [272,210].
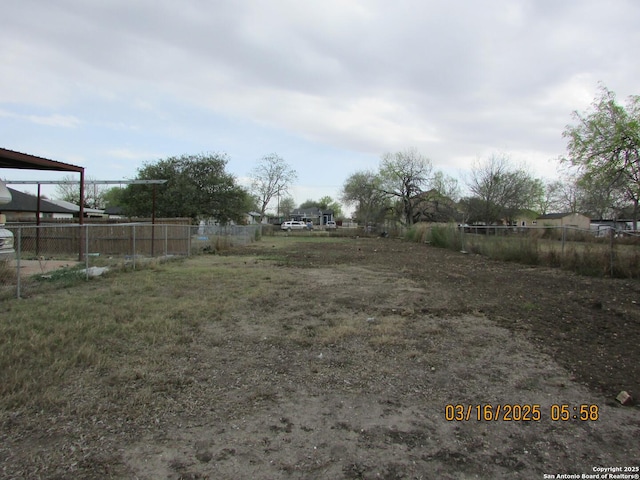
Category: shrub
[411,234]
[446,237]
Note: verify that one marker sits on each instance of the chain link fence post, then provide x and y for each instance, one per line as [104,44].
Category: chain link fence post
[611,251]
[133,256]
[166,240]
[86,250]
[18,257]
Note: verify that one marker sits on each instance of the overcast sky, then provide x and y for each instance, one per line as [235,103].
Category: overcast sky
[328,85]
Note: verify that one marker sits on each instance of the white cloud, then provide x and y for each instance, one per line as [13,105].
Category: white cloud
[128,154]
[53,120]
[358,78]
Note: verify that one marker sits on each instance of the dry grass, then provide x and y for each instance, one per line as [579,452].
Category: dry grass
[582,253]
[114,328]
[7,273]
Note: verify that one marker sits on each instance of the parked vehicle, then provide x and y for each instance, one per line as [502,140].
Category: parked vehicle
[6,237]
[331,225]
[293,225]
[6,244]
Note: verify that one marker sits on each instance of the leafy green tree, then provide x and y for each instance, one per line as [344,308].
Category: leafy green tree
[287,205]
[328,203]
[309,203]
[197,187]
[324,204]
[405,175]
[604,144]
[364,191]
[271,178]
[113,197]
[599,197]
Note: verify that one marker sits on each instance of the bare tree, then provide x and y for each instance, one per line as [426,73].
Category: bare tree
[503,191]
[271,178]
[445,185]
[405,175]
[550,200]
[70,192]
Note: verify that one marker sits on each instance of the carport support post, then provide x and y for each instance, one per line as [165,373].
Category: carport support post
[38,223]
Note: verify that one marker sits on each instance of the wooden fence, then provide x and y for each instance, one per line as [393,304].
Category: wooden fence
[165,237]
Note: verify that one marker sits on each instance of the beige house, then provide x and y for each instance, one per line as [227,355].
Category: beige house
[576,220]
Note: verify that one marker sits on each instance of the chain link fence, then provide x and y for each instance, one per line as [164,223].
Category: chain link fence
[57,254]
[50,252]
[597,252]
[210,238]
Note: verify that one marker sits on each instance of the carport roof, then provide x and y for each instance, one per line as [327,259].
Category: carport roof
[11,159]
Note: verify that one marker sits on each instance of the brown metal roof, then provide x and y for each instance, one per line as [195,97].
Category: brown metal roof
[11,159]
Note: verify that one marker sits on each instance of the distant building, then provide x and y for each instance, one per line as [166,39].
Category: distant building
[24,207]
[315,215]
[576,220]
[254,218]
[88,212]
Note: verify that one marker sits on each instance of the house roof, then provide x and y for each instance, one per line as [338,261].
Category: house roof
[73,207]
[311,211]
[24,202]
[115,210]
[11,159]
[551,216]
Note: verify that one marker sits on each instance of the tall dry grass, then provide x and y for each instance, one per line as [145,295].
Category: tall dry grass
[581,253]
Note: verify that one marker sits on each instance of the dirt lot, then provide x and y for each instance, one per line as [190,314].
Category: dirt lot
[343,360]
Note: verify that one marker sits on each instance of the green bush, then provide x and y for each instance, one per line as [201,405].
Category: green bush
[411,234]
[446,237]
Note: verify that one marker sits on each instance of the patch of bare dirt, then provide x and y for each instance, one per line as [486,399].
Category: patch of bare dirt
[42,267]
[348,366]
